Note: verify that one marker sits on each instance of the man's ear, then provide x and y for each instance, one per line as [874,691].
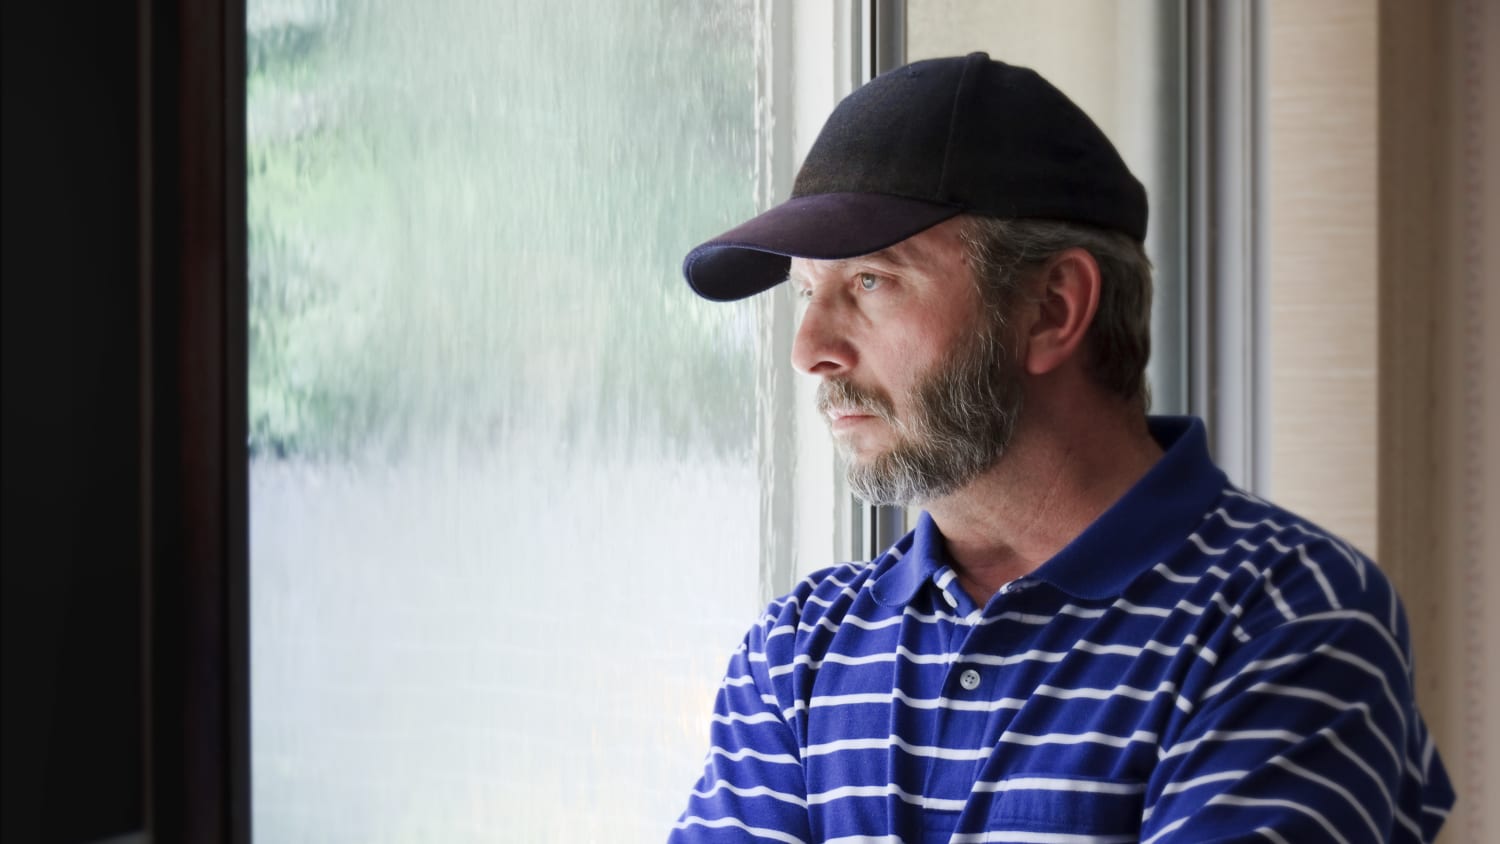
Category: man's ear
[1065,306]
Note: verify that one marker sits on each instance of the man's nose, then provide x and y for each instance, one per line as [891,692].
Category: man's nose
[820,346]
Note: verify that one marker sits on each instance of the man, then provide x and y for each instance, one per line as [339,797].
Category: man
[1091,635]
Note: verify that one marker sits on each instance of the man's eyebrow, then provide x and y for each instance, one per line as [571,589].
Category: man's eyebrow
[891,256]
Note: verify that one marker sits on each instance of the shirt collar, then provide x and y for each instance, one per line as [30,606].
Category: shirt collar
[910,563]
[1136,532]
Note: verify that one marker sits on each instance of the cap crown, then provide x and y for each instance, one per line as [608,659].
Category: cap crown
[980,135]
[920,145]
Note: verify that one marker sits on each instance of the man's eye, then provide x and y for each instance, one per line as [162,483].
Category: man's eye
[869,281]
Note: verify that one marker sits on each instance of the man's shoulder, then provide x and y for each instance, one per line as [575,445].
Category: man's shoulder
[823,593]
[1282,567]
[821,604]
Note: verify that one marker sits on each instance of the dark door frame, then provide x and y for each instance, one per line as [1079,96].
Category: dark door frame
[193,313]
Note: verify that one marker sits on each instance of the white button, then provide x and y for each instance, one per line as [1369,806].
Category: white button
[969,679]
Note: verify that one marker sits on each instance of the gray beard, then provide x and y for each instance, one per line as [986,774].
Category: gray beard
[963,415]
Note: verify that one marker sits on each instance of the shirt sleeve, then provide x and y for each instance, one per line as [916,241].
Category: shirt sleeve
[752,788]
[1308,732]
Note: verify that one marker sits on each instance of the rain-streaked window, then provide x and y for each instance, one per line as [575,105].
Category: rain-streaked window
[504,497]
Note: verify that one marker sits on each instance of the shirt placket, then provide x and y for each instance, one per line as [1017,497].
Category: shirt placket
[971,681]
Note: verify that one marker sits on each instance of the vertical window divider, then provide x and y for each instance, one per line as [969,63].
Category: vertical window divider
[1226,234]
[776,440]
[885,49]
[808,519]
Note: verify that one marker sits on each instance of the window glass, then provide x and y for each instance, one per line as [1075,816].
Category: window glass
[504,495]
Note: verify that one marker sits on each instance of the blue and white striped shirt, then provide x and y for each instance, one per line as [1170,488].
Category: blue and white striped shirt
[1197,665]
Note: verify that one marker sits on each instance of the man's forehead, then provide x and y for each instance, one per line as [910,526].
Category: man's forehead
[892,256]
[927,248]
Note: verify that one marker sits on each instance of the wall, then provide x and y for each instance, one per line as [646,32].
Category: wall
[1438,327]
[1384,315]
[1321,115]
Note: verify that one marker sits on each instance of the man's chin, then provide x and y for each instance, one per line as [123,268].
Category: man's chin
[906,478]
[875,479]
[859,454]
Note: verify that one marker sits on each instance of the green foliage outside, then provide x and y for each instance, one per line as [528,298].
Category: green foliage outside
[467,218]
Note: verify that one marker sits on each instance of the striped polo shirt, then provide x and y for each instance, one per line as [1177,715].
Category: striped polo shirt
[1196,665]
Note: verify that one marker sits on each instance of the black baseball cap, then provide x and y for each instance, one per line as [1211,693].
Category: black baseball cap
[919,145]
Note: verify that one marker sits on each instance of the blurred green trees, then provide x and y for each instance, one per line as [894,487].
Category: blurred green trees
[467,217]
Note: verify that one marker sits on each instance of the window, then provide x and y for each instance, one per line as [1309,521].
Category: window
[505,491]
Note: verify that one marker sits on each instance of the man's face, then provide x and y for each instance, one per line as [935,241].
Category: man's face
[919,390]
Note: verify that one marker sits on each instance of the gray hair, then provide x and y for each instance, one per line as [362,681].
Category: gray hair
[1003,252]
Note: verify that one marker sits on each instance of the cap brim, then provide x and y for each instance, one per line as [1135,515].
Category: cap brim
[754,256]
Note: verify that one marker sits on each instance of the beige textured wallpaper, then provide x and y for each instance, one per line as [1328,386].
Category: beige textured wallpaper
[1321,113]
[1438,320]
[1486,408]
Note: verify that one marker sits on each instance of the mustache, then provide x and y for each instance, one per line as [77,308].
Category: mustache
[842,394]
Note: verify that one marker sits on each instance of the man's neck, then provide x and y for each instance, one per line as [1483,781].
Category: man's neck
[1058,476]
